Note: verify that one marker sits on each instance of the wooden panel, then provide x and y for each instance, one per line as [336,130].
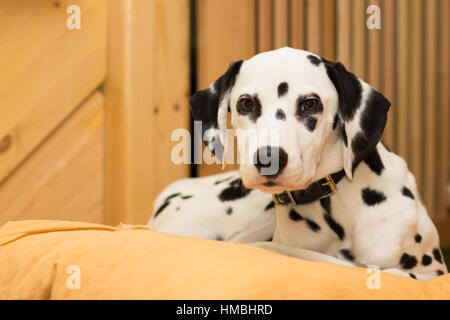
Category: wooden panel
[359,37]
[298,24]
[313,26]
[63,179]
[388,77]
[47,69]
[265,34]
[146,97]
[280,23]
[430,110]
[444,116]
[234,20]
[328,29]
[373,54]
[343,33]
[416,84]
[443,228]
[401,88]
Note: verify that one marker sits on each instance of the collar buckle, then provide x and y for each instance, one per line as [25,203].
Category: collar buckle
[302,197]
[330,184]
[285,198]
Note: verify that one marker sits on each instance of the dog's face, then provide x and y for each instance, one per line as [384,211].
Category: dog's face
[297,118]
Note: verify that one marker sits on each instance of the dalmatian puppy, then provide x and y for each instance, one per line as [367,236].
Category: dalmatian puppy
[340,196]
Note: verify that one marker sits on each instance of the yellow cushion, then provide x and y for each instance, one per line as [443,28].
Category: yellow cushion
[132,262]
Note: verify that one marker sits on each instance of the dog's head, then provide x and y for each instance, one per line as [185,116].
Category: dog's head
[311,117]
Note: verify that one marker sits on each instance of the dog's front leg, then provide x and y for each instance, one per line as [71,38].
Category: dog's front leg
[300,253]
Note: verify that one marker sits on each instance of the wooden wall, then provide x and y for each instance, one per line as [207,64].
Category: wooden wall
[51,112]
[146,89]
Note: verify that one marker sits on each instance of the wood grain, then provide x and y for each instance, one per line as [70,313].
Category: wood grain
[298,24]
[63,179]
[388,72]
[329,29]
[359,39]
[47,70]
[234,20]
[430,109]
[265,25]
[280,23]
[146,96]
[374,53]
[414,121]
[313,30]
[402,76]
[343,43]
[444,116]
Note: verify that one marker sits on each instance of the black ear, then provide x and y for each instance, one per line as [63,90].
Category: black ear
[210,106]
[363,114]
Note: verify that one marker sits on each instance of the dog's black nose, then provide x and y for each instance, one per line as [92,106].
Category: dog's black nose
[270,161]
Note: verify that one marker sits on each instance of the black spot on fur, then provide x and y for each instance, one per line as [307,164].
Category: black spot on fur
[335,121]
[407,261]
[229,210]
[412,275]
[336,227]
[372,122]
[258,109]
[326,204]
[235,191]
[314,60]
[282,89]
[224,180]
[280,115]
[332,224]
[374,116]
[374,162]
[186,197]
[347,254]
[426,260]
[294,216]
[312,225]
[439,272]
[173,195]
[161,208]
[271,205]
[344,136]
[407,193]
[177,209]
[418,238]
[372,197]
[348,87]
[360,147]
[437,255]
[219,238]
[310,123]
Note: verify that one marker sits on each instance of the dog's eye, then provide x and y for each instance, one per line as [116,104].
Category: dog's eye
[311,104]
[246,104]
